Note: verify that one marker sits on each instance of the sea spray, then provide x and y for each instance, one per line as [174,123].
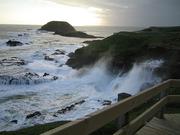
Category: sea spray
[92,84]
[138,78]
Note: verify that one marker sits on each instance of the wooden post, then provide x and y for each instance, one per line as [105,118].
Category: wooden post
[122,120]
[160,115]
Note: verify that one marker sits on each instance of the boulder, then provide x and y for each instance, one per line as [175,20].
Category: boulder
[13,43]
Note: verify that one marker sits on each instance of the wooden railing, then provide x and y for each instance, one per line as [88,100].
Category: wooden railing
[100,118]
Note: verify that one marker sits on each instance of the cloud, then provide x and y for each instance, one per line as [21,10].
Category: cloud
[132,12]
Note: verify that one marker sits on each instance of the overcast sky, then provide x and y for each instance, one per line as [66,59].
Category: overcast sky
[93,12]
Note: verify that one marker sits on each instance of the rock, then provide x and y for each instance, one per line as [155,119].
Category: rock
[48,58]
[54,115]
[70,107]
[20,35]
[64,29]
[59,52]
[106,102]
[12,61]
[78,34]
[45,74]
[14,121]
[54,78]
[35,114]
[80,102]
[31,75]
[61,65]
[70,54]
[13,43]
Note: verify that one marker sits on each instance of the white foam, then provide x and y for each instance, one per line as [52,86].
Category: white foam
[90,83]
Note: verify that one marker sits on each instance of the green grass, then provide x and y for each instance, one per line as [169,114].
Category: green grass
[35,130]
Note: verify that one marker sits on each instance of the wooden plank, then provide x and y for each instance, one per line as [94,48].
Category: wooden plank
[141,120]
[173,99]
[167,126]
[145,130]
[174,82]
[175,119]
[157,126]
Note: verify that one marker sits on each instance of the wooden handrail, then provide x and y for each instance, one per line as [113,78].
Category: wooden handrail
[100,118]
[141,120]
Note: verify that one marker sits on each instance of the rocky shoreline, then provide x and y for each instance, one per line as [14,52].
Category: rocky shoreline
[126,48]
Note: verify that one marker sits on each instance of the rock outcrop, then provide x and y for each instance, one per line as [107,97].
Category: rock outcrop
[125,48]
[13,43]
[32,115]
[65,29]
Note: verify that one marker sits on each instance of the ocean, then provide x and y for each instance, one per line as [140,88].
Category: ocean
[34,77]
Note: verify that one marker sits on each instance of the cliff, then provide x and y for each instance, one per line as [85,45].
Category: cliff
[125,48]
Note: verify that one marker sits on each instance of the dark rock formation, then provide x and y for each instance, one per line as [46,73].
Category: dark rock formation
[125,48]
[70,54]
[59,52]
[106,102]
[64,29]
[59,27]
[35,114]
[12,61]
[13,43]
[25,78]
[70,107]
[45,74]
[48,58]
[14,121]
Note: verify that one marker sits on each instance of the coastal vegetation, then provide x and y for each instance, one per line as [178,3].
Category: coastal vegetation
[126,48]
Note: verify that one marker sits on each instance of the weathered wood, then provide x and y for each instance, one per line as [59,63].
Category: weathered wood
[174,82]
[160,115]
[173,99]
[122,120]
[167,126]
[141,120]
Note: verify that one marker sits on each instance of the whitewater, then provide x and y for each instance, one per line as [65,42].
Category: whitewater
[89,86]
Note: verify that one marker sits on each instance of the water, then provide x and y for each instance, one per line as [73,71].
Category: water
[90,84]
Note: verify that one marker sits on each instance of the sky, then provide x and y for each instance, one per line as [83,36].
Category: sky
[92,12]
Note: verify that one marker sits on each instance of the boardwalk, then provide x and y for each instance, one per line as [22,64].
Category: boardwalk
[168,126]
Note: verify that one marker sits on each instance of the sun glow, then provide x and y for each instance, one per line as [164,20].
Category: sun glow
[42,11]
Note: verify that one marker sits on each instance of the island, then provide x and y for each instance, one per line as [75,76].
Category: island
[126,48]
[65,29]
